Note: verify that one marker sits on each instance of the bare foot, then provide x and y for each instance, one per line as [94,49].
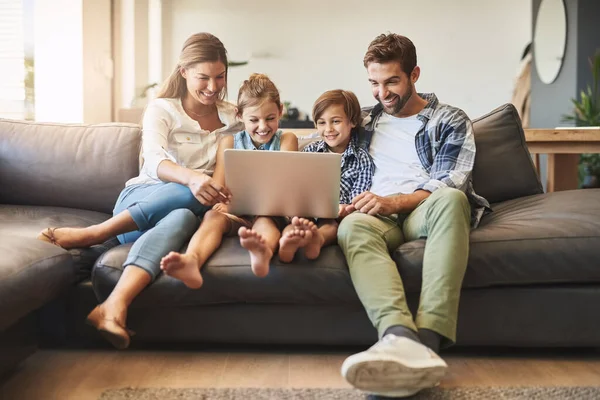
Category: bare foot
[291,241]
[183,267]
[68,238]
[314,240]
[260,254]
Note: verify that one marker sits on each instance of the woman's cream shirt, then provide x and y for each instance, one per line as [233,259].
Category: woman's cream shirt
[168,133]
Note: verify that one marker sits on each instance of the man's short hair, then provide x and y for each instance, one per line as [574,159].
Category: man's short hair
[392,47]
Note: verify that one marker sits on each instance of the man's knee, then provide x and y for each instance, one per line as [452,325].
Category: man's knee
[352,224]
[449,200]
[449,196]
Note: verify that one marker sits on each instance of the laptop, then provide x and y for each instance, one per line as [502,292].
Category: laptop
[283,183]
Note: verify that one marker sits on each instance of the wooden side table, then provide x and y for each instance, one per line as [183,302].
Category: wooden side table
[563,147]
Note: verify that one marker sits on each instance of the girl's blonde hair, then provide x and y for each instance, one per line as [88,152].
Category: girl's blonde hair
[345,98]
[256,90]
[198,48]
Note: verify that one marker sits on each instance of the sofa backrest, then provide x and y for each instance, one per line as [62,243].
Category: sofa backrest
[67,165]
[503,167]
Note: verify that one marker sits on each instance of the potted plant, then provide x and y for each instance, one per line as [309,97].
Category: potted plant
[587,113]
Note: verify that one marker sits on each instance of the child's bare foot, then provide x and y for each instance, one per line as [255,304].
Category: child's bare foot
[314,238]
[183,267]
[291,241]
[260,253]
[68,238]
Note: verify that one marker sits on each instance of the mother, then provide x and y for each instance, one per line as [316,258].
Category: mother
[157,210]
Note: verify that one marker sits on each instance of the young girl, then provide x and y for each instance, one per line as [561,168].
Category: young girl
[260,109]
[337,117]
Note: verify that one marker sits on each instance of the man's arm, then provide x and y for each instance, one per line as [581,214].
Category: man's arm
[452,167]
[453,164]
[370,203]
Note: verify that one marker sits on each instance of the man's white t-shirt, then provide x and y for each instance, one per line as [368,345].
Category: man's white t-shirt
[397,165]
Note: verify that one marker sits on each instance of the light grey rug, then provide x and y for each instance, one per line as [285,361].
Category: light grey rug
[492,393]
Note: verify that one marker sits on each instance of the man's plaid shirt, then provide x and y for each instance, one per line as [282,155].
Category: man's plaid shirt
[357,169]
[445,145]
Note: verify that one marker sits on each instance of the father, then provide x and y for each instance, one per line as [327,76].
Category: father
[423,152]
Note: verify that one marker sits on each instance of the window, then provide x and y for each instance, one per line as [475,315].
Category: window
[16,59]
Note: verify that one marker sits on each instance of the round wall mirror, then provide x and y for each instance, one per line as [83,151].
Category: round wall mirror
[550,39]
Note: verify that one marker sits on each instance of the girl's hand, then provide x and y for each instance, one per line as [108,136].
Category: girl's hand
[221,207]
[207,190]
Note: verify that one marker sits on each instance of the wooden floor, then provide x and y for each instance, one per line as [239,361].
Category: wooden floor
[85,374]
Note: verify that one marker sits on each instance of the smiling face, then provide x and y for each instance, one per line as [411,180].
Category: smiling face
[335,127]
[261,121]
[205,81]
[391,86]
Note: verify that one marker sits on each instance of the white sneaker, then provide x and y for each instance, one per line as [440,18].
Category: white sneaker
[394,366]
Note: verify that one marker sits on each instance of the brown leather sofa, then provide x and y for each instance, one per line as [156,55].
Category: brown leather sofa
[533,277]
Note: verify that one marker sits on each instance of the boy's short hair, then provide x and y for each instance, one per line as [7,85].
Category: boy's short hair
[345,98]
[392,47]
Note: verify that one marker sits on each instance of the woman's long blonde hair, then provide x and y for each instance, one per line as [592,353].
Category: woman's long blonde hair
[198,48]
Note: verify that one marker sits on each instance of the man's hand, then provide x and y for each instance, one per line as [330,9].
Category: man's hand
[207,190]
[369,203]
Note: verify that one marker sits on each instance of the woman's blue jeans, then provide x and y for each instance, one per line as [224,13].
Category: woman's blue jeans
[167,215]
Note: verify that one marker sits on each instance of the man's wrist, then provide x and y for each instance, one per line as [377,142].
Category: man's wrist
[398,203]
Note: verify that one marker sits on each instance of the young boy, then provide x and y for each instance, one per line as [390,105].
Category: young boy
[337,116]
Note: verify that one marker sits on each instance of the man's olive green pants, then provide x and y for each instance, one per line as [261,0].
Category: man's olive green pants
[367,241]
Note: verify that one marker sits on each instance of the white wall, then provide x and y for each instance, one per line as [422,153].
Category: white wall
[58,55]
[73,65]
[468,50]
[98,68]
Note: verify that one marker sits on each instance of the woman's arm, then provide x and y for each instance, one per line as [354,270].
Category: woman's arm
[289,142]
[203,187]
[160,164]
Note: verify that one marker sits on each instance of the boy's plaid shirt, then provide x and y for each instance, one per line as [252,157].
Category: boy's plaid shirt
[357,169]
[445,145]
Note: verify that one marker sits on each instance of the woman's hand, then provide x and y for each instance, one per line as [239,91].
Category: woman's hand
[207,190]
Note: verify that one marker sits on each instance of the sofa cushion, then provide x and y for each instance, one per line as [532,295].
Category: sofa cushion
[66,165]
[544,239]
[228,279]
[33,272]
[503,168]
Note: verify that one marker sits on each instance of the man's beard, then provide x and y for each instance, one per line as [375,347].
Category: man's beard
[402,100]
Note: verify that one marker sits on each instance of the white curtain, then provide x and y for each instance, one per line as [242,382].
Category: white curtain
[12,60]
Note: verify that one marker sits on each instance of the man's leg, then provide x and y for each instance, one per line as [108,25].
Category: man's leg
[444,218]
[367,242]
[398,364]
